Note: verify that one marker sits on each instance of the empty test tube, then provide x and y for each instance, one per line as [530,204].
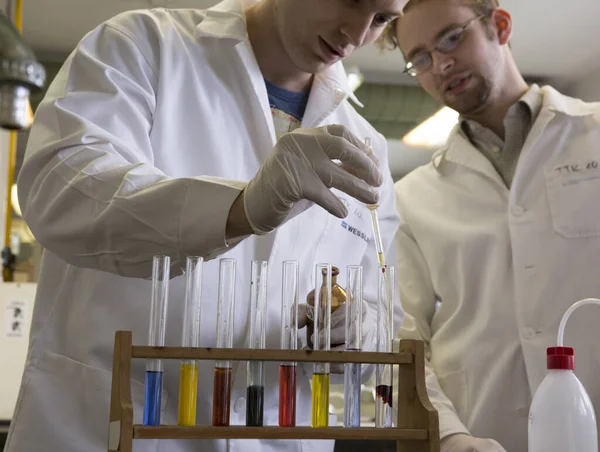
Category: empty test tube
[188,375]
[156,338]
[289,341]
[385,322]
[352,371]
[225,319]
[321,341]
[255,389]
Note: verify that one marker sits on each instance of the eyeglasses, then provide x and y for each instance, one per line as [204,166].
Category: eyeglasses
[446,44]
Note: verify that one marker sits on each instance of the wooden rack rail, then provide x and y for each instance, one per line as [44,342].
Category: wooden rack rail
[417,426]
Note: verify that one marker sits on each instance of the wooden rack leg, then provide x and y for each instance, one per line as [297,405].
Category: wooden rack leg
[120,430]
[414,408]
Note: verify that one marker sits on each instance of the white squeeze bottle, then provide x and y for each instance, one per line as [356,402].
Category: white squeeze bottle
[561,418]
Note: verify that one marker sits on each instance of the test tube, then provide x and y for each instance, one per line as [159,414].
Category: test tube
[225,317]
[352,371]
[289,341]
[156,338]
[188,375]
[385,322]
[255,390]
[375,223]
[322,321]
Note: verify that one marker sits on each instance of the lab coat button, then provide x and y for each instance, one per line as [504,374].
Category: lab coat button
[339,93]
[517,211]
[239,405]
[529,334]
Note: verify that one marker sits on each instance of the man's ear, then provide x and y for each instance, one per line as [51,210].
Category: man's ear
[502,21]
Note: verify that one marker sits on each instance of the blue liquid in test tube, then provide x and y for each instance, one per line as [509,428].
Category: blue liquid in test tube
[154,381]
[156,338]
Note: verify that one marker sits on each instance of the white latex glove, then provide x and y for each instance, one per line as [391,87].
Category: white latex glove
[462,442]
[337,335]
[300,171]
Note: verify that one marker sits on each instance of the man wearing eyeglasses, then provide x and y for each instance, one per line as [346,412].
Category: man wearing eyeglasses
[493,227]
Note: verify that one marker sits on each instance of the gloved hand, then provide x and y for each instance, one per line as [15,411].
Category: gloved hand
[300,171]
[337,335]
[462,442]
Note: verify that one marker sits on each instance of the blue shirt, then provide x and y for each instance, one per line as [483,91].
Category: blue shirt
[287,108]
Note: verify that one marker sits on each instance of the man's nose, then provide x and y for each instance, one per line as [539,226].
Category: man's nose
[441,63]
[356,29]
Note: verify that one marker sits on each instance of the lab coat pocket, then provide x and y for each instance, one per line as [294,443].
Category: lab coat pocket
[70,401]
[454,385]
[573,195]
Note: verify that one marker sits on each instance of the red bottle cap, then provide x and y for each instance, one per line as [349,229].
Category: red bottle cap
[560,358]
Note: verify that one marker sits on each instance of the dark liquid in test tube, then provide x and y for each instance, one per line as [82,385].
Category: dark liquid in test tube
[221,396]
[255,396]
[384,392]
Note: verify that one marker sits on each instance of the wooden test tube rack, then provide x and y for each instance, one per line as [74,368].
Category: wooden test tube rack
[417,424]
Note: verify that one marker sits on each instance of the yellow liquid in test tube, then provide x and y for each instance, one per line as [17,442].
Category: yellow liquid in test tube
[320,400]
[188,388]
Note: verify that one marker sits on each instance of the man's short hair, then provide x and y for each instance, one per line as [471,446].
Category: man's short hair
[388,40]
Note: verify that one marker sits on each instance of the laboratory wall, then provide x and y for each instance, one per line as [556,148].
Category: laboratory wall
[587,88]
[403,159]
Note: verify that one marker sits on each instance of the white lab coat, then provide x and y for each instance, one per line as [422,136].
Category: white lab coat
[505,264]
[144,140]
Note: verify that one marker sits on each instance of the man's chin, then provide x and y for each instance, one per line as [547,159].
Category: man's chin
[315,67]
[465,108]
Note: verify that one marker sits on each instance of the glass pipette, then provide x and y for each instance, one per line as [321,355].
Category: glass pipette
[375,222]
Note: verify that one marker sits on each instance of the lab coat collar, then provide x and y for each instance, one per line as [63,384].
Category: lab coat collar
[224,20]
[459,150]
[559,103]
[329,89]
[336,78]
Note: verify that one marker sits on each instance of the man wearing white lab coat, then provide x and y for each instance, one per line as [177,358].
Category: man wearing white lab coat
[160,136]
[502,227]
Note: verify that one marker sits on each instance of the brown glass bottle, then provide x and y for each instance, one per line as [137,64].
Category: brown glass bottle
[338,298]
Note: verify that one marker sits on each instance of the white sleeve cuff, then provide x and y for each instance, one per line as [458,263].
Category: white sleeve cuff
[206,208]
